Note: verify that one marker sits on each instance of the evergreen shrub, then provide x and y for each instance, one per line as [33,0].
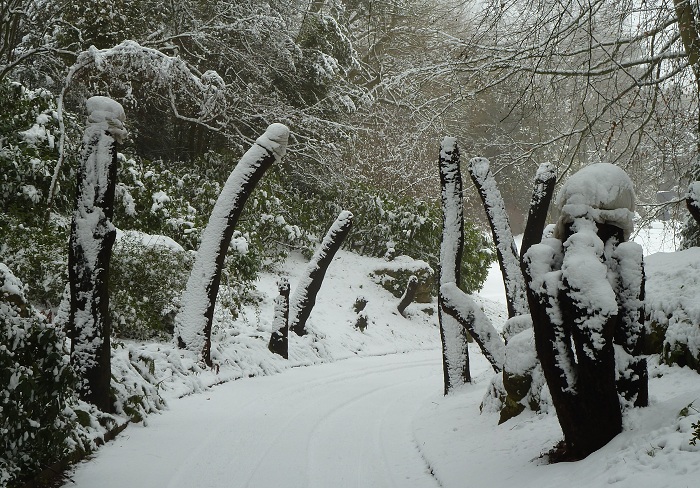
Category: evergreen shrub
[146,279]
[36,387]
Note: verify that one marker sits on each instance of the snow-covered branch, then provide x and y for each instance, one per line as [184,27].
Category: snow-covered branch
[467,313]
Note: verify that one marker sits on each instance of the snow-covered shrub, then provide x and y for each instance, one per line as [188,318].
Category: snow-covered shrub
[37,254]
[672,322]
[28,151]
[36,386]
[148,274]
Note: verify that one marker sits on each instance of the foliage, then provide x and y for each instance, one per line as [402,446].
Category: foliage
[33,247]
[37,386]
[146,280]
[38,255]
[28,151]
[389,223]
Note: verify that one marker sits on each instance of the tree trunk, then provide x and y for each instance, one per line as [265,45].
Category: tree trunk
[692,201]
[409,295]
[193,322]
[279,339]
[304,297]
[455,352]
[460,307]
[90,248]
[633,377]
[687,14]
[545,179]
[506,250]
[585,291]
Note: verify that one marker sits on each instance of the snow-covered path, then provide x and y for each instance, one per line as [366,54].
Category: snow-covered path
[340,424]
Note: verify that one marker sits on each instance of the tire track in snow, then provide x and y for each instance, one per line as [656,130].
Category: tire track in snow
[279,430]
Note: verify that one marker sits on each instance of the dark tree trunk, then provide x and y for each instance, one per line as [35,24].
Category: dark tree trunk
[279,339]
[193,323]
[409,295]
[576,345]
[597,413]
[545,179]
[693,205]
[90,249]
[633,376]
[455,352]
[305,294]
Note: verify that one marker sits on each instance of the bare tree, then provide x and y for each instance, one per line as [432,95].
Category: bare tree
[458,315]
[506,250]
[455,351]
[542,193]
[574,83]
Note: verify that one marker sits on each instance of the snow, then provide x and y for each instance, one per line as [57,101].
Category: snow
[11,285]
[106,114]
[358,414]
[587,284]
[333,425]
[672,291]
[453,213]
[601,192]
[520,356]
[150,240]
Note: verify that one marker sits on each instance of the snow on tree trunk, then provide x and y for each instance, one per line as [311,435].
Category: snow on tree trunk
[519,391]
[516,384]
[462,308]
[279,339]
[90,247]
[545,179]
[455,352]
[304,297]
[193,322]
[584,291]
[506,250]
[627,268]
[409,295]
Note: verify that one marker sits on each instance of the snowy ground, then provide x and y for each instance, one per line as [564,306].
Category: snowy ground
[378,420]
[347,423]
